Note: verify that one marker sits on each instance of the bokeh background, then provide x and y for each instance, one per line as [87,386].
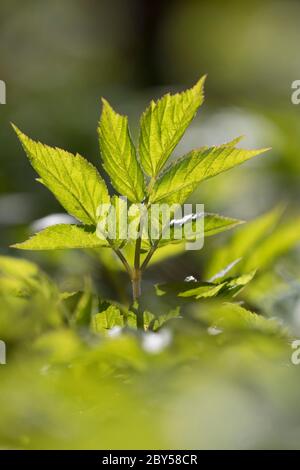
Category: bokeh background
[58,59]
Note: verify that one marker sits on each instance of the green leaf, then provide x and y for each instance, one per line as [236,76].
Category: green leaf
[181,179]
[107,319]
[164,123]
[244,243]
[86,305]
[116,222]
[119,154]
[62,236]
[200,290]
[232,318]
[283,239]
[189,289]
[213,224]
[234,285]
[155,322]
[23,278]
[72,179]
[20,268]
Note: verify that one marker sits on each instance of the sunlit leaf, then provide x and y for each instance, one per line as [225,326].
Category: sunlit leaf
[72,179]
[119,155]
[62,236]
[163,124]
[178,182]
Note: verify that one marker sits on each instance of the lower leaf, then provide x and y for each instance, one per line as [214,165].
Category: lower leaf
[62,236]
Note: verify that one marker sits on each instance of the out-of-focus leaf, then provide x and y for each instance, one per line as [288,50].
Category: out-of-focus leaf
[162,320]
[107,319]
[84,309]
[283,239]
[22,278]
[58,346]
[29,301]
[243,243]
[199,290]
[189,289]
[233,317]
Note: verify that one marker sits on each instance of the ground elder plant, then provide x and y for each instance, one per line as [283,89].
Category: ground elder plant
[143,176]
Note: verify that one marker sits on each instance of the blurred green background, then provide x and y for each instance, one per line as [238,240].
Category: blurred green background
[58,59]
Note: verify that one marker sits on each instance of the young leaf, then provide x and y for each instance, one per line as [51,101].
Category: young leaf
[199,290]
[182,178]
[213,224]
[61,237]
[119,154]
[72,179]
[164,123]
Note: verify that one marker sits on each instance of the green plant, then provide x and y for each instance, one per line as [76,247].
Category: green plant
[143,177]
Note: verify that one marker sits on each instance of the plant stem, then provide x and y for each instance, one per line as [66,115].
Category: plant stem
[122,258]
[149,256]
[136,285]
[136,278]
[136,293]
[137,254]
[124,261]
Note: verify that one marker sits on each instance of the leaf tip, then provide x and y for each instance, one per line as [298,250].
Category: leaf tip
[240,221]
[16,129]
[239,138]
[104,101]
[21,136]
[263,150]
[199,86]
[202,79]
[16,246]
